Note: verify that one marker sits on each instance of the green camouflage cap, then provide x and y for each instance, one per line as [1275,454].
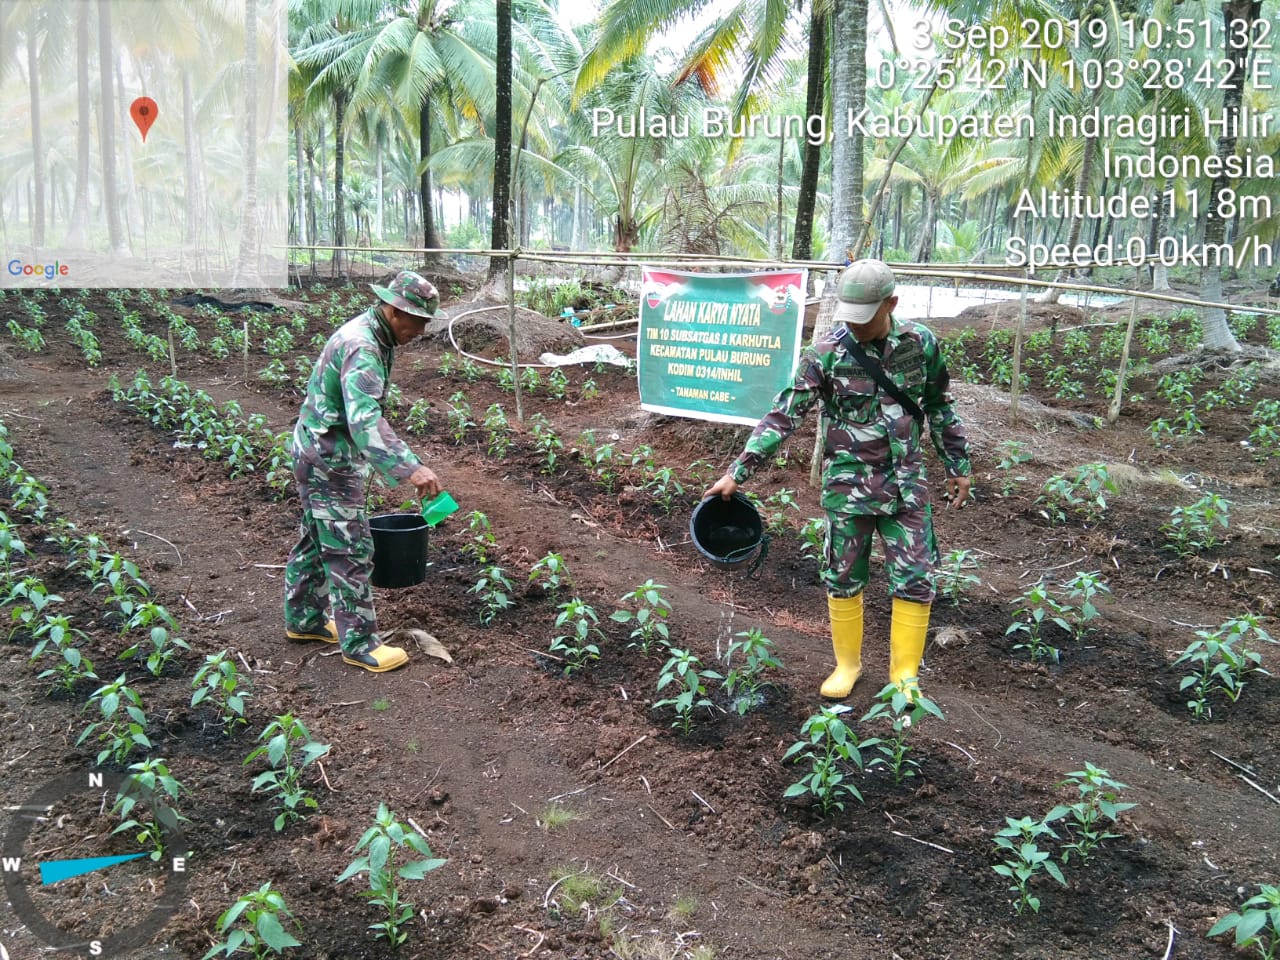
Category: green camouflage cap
[862,287]
[410,293]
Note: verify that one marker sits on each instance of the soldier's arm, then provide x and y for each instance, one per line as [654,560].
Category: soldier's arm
[362,386]
[945,427]
[789,409]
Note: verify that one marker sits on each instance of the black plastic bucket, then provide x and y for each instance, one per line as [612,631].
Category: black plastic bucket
[399,549]
[727,532]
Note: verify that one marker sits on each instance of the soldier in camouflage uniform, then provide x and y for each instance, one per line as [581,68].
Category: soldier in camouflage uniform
[340,437]
[873,466]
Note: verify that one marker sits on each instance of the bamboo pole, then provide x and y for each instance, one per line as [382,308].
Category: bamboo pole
[1113,411]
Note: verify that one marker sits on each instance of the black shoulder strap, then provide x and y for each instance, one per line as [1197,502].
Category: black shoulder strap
[872,366]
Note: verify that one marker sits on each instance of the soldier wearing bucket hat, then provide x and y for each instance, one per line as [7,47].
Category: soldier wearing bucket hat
[884,387]
[340,437]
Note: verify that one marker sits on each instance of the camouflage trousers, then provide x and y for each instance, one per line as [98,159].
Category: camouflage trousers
[332,562]
[910,553]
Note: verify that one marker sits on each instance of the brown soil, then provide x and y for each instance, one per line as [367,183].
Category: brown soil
[688,838]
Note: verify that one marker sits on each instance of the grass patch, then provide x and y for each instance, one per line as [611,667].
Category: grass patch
[380,704]
[556,815]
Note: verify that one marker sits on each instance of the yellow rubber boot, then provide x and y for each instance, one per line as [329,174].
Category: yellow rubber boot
[846,641]
[907,631]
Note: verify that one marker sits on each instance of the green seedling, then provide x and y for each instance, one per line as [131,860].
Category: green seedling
[580,623]
[218,684]
[954,577]
[546,441]
[1084,493]
[123,727]
[904,715]
[682,669]
[1222,659]
[743,684]
[1088,818]
[288,749]
[830,746]
[152,781]
[1078,609]
[1193,529]
[417,420]
[497,430]
[774,509]
[483,542]
[1038,609]
[494,590]
[384,843]
[665,487]
[1256,924]
[557,384]
[71,665]
[556,815]
[459,417]
[604,465]
[814,538]
[161,631]
[552,573]
[27,600]
[530,380]
[255,924]
[650,615]
[1025,860]
[506,380]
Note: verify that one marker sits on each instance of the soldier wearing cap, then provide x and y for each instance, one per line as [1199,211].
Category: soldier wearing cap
[873,466]
[340,436]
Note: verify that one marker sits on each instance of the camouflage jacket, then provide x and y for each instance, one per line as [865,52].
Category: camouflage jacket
[873,459]
[341,421]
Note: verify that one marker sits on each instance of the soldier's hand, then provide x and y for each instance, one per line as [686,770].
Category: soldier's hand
[426,482]
[725,488]
[958,491]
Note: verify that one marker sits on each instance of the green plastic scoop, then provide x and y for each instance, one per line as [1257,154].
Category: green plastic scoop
[436,509]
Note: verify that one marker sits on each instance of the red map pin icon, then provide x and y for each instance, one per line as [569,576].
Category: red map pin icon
[144,112]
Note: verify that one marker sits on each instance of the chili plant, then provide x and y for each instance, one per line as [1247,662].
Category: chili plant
[552,573]
[1222,659]
[219,683]
[775,508]
[546,441]
[650,614]
[417,420]
[494,590]
[580,622]
[1079,610]
[682,669]
[1038,609]
[1086,819]
[1256,924]
[665,487]
[482,538]
[162,631]
[497,430]
[829,745]
[1084,493]
[743,683]
[71,666]
[953,576]
[288,749]
[1025,860]
[814,537]
[1012,455]
[459,417]
[152,781]
[262,915]
[384,843]
[904,712]
[123,726]
[1193,529]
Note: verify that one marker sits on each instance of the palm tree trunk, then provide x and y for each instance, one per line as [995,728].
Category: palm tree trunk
[77,231]
[430,239]
[189,175]
[848,95]
[501,232]
[1217,333]
[1083,180]
[37,133]
[300,200]
[339,161]
[246,272]
[107,133]
[802,240]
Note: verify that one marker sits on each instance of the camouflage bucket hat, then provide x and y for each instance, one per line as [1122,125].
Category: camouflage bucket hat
[410,293]
[862,287]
